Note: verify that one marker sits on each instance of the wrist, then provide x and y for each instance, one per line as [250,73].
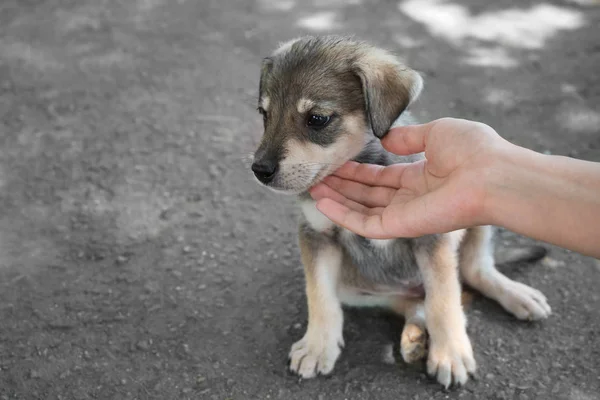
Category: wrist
[505,178]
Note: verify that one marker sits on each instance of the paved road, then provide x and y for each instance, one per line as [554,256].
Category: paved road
[138,258]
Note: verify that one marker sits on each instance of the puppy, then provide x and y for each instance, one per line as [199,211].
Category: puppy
[327,100]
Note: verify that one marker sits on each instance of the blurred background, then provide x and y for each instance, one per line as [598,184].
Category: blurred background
[140,260]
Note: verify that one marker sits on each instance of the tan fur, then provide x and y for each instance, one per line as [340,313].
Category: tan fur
[450,354]
[479,271]
[319,349]
[379,63]
[304,105]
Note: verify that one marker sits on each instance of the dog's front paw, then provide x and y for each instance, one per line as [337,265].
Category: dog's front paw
[524,302]
[315,353]
[451,360]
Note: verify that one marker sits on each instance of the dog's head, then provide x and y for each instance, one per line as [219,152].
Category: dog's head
[322,100]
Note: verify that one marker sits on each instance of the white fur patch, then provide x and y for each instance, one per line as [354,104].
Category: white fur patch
[351,297]
[374,61]
[304,105]
[265,102]
[456,238]
[382,243]
[315,218]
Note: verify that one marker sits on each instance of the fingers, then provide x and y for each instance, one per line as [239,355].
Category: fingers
[371,174]
[406,140]
[321,191]
[365,225]
[370,196]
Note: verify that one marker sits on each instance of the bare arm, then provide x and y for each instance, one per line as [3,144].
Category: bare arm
[551,198]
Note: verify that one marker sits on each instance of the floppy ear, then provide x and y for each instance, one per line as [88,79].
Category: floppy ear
[388,87]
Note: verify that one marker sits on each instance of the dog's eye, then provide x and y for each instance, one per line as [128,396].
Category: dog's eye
[317,121]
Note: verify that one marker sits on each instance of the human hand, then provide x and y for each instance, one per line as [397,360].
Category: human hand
[442,193]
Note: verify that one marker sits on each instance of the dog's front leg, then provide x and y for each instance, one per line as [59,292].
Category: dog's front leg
[450,356]
[317,352]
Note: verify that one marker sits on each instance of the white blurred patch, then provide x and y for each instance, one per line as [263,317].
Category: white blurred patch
[31,56]
[571,90]
[585,2]
[117,58]
[322,21]
[148,5]
[567,88]
[486,57]
[581,120]
[519,28]
[277,5]
[407,42]
[500,97]
[577,394]
[388,354]
[335,3]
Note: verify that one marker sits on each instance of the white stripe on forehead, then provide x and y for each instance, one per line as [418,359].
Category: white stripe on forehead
[304,105]
[264,103]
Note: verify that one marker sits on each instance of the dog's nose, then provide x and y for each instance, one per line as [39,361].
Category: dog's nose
[265,170]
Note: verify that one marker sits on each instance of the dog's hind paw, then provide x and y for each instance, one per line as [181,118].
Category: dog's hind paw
[413,343]
[524,302]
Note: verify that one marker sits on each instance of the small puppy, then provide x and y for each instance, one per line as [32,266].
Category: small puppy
[327,100]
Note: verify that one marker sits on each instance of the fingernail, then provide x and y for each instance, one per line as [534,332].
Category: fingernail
[318,204]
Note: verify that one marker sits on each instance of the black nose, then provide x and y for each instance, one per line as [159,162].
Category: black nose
[265,170]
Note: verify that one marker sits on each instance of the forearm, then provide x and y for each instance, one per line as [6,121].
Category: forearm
[550,198]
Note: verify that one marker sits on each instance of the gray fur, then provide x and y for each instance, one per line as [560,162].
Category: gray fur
[395,264]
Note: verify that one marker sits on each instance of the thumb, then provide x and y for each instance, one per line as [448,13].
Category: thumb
[406,140]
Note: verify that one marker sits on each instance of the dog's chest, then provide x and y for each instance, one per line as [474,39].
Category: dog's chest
[382,261]
[315,219]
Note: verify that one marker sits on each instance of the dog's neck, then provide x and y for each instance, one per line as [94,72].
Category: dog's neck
[373,153]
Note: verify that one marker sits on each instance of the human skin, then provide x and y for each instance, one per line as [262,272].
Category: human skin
[470,176]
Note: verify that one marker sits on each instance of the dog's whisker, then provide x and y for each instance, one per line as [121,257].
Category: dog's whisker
[316,163]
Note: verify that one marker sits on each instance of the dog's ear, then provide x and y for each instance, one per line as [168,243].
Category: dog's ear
[265,69]
[389,87]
